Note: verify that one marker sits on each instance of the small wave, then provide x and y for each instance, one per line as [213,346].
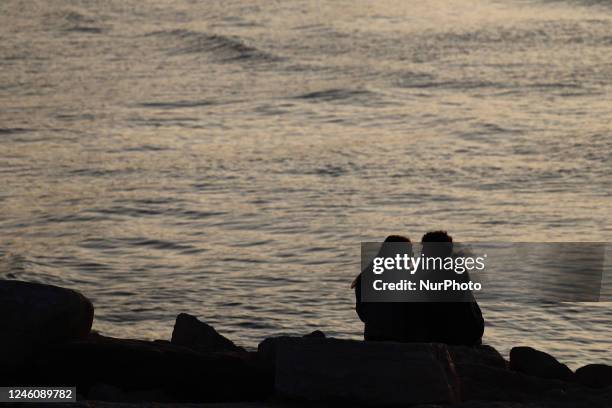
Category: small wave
[73,21]
[85,29]
[13,131]
[330,170]
[339,94]
[158,244]
[146,148]
[225,48]
[453,84]
[75,17]
[178,104]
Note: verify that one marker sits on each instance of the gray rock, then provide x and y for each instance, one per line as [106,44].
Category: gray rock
[35,316]
[356,372]
[594,375]
[537,363]
[191,332]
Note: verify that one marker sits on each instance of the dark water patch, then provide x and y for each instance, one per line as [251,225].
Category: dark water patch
[584,3]
[85,29]
[72,16]
[72,21]
[224,48]
[14,131]
[495,36]
[146,148]
[155,244]
[243,260]
[156,122]
[252,243]
[495,128]
[178,104]
[330,170]
[409,79]
[425,83]
[58,219]
[193,251]
[129,211]
[309,68]
[127,245]
[237,21]
[100,172]
[271,110]
[92,266]
[196,215]
[149,201]
[536,34]
[554,85]
[256,325]
[334,95]
[319,249]
[85,117]
[210,186]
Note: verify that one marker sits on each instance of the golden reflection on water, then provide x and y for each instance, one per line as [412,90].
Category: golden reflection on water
[226,159]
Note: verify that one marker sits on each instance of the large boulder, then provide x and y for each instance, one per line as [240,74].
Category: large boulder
[521,390]
[490,383]
[594,375]
[537,363]
[317,334]
[35,316]
[132,370]
[356,372]
[482,355]
[484,376]
[191,332]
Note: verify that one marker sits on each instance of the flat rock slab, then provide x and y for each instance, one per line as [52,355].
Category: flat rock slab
[145,370]
[371,373]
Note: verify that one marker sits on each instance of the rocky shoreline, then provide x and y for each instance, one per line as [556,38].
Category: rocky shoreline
[47,341]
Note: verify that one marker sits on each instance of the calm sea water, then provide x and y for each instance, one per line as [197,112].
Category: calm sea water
[226,158]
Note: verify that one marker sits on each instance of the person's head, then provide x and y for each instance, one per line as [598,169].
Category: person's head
[397,238]
[399,245]
[437,244]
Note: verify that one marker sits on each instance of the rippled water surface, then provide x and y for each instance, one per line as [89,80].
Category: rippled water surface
[226,158]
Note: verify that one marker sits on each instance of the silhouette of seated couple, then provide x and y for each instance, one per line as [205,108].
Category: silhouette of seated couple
[449,322]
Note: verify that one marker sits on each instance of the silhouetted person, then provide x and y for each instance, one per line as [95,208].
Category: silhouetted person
[450,322]
[389,321]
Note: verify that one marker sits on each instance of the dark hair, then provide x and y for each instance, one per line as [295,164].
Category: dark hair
[397,238]
[437,236]
[438,243]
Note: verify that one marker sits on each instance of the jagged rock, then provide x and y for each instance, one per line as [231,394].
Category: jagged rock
[356,372]
[193,333]
[136,367]
[36,315]
[594,375]
[537,363]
